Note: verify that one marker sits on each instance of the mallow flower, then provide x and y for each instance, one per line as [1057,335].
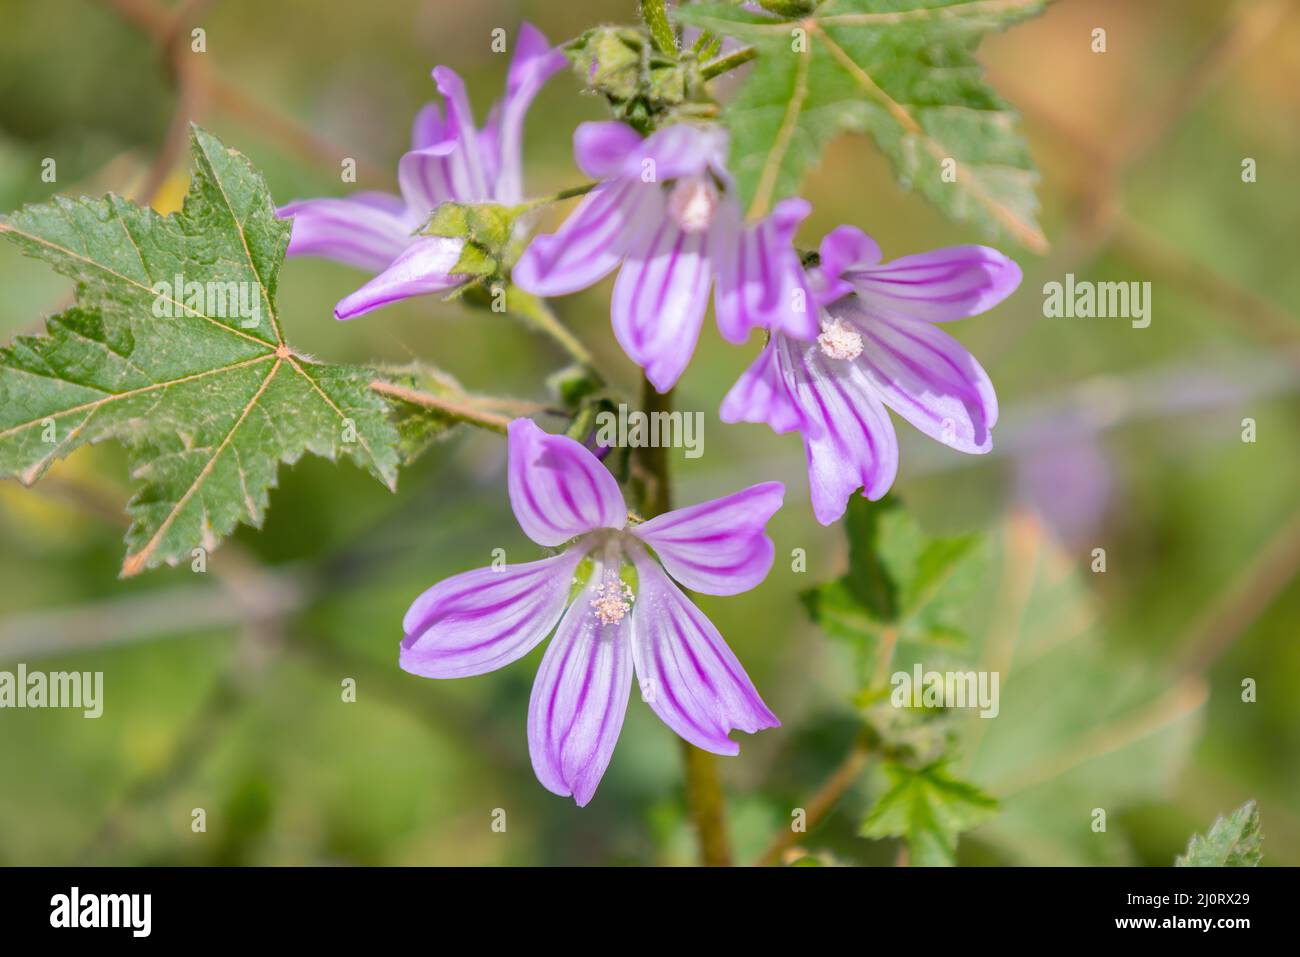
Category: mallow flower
[617,610]
[879,345]
[666,210]
[449,159]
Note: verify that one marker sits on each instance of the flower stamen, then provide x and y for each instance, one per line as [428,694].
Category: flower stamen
[613,600]
[839,340]
[692,203]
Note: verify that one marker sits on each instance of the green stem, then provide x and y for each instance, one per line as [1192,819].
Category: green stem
[655,14]
[704,795]
[727,63]
[452,408]
[556,197]
[536,314]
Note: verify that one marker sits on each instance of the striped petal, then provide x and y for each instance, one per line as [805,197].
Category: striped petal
[602,149]
[424,267]
[535,61]
[579,699]
[717,547]
[558,489]
[761,394]
[368,230]
[924,375]
[588,246]
[686,672]
[938,286]
[466,161]
[761,283]
[660,297]
[482,620]
[849,441]
[426,177]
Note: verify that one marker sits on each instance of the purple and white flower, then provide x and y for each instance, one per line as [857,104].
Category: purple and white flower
[449,160]
[665,209]
[616,607]
[879,345]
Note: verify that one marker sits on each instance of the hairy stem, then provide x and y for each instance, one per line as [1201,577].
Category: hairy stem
[453,408]
[834,788]
[533,312]
[704,796]
[727,63]
[655,15]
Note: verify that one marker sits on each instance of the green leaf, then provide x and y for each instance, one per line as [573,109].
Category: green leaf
[897,577]
[1233,841]
[903,71]
[174,349]
[928,808]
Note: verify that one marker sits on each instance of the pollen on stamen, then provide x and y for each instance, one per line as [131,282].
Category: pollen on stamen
[692,204]
[612,602]
[839,340]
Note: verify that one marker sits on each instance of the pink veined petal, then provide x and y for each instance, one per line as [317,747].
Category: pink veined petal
[686,672]
[602,149]
[678,150]
[579,699]
[926,376]
[938,286]
[843,248]
[849,441]
[717,547]
[761,394]
[661,295]
[427,128]
[424,267]
[535,61]
[558,489]
[471,183]
[588,246]
[761,283]
[426,178]
[367,230]
[482,620]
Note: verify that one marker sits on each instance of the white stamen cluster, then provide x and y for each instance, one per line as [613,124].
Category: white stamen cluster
[839,340]
[692,203]
[613,601]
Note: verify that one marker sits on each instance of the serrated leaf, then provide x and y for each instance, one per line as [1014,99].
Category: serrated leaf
[207,396]
[928,808]
[897,577]
[419,426]
[901,70]
[1233,841]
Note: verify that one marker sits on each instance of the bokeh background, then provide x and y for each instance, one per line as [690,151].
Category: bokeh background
[1122,690]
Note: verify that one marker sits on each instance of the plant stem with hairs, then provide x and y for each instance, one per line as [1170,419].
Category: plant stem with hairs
[704,796]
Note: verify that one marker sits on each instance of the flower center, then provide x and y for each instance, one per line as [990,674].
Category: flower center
[839,340]
[692,203]
[613,600]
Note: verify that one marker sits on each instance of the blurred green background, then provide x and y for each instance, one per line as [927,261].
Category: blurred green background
[1123,689]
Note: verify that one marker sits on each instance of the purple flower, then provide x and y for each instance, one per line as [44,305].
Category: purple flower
[449,160]
[666,210]
[879,345]
[616,609]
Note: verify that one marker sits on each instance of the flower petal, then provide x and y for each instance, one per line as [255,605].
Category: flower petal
[678,150]
[423,267]
[471,182]
[482,620]
[366,230]
[660,297]
[558,489]
[761,394]
[717,547]
[535,61]
[925,375]
[761,283]
[427,127]
[938,286]
[849,441]
[427,177]
[843,248]
[602,149]
[687,674]
[588,246]
[579,700]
